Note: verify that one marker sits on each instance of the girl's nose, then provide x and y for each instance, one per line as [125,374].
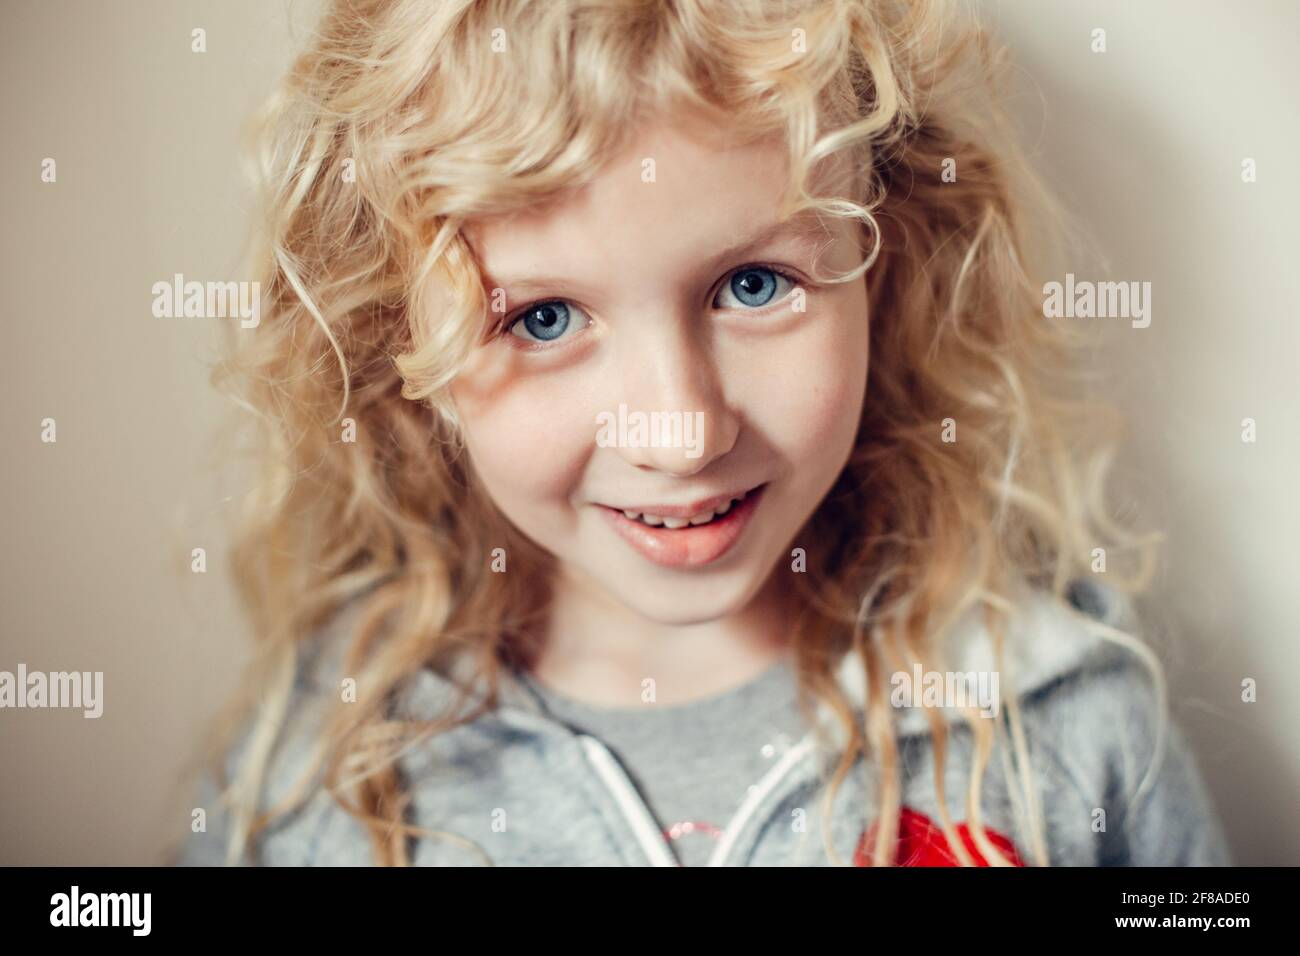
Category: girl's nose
[672,412]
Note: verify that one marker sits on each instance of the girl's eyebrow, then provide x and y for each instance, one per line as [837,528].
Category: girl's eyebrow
[805,230]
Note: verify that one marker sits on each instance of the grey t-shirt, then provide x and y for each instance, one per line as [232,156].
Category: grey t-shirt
[693,763]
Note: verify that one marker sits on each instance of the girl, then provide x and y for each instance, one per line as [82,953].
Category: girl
[665,459]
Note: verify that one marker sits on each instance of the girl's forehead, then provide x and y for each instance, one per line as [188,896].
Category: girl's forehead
[672,183]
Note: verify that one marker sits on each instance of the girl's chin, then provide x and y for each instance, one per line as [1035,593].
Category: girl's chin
[682,603]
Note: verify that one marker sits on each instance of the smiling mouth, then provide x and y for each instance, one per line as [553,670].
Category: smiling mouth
[703,517]
[686,536]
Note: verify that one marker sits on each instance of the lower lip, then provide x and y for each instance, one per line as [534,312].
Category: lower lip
[689,547]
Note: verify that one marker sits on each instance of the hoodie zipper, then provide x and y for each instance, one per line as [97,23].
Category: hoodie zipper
[647,830]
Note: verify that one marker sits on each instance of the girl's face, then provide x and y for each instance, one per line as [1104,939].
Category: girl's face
[671,393]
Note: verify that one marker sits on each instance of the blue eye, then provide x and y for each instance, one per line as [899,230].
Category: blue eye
[544,322]
[752,288]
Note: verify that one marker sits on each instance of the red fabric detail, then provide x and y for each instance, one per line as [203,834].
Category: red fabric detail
[921,843]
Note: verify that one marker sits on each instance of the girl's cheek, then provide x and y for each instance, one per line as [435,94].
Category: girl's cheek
[804,390]
[529,440]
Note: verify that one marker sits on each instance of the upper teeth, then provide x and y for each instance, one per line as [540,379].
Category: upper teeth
[674,523]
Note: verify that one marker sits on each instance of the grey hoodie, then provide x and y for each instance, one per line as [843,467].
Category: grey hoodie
[517,787]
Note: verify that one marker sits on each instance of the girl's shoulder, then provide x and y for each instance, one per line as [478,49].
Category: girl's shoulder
[1098,714]
[1119,781]
[313,675]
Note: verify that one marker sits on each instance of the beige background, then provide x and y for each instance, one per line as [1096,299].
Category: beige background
[1144,141]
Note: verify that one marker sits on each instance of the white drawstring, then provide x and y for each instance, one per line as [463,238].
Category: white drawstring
[755,798]
[647,831]
[634,809]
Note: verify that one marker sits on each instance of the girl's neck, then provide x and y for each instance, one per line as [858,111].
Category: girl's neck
[599,651]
